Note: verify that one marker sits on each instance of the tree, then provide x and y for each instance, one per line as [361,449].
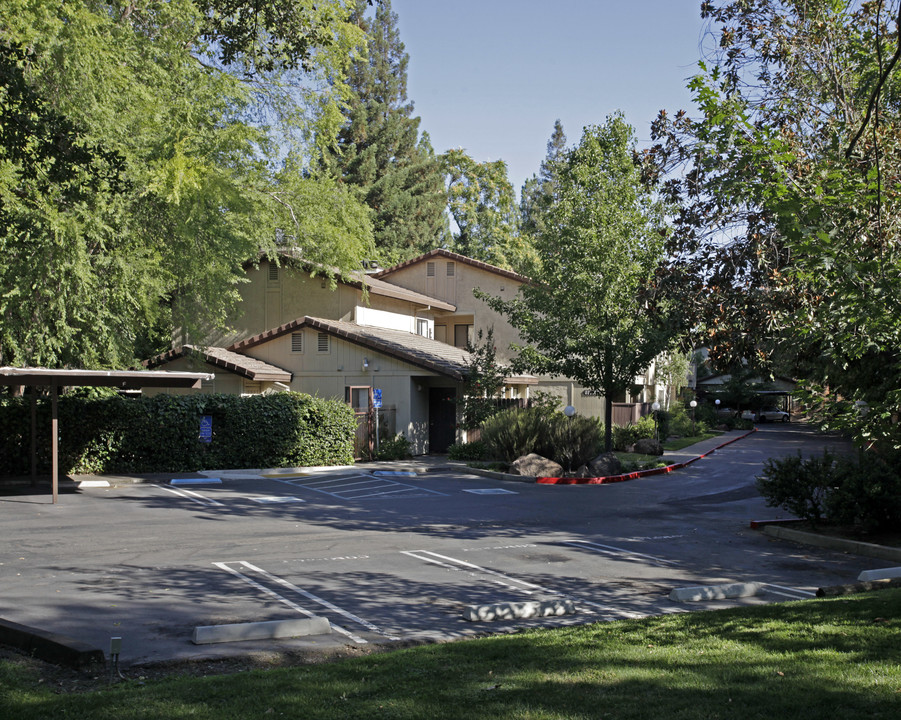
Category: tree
[539,191]
[785,247]
[481,202]
[484,379]
[591,312]
[380,152]
[135,175]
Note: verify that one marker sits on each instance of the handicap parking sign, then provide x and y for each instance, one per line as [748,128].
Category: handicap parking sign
[377,398]
[206,429]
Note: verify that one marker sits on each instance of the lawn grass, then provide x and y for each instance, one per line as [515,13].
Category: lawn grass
[679,443]
[835,658]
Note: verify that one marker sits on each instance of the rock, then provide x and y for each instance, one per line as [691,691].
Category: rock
[534,465]
[604,466]
[649,446]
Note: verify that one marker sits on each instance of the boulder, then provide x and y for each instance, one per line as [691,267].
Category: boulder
[649,446]
[534,465]
[604,466]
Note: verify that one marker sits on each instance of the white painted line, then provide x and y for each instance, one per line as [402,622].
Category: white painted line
[196,481]
[192,496]
[394,473]
[611,550]
[277,499]
[433,561]
[325,603]
[93,483]
[794,591]
[492,491]
[291,604]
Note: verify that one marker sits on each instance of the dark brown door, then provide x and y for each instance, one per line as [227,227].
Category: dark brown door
[442,419]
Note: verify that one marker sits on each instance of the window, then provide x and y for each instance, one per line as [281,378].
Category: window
[430,269]
[297,342]
[273,272]
[462,335]
[322,343]
[451,268]
[422,327]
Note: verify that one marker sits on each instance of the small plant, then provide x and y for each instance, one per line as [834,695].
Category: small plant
[396,448]
[575,440]
[468,451]
[800,486]
[626,436]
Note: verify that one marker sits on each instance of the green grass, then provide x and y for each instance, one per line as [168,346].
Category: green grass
[836,658]
[679,443]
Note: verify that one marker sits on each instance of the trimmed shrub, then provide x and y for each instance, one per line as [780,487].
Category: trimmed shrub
[475,450]
[628,435]
[800,486]
[867,494]
[160,433]
[396,448]
[574,440]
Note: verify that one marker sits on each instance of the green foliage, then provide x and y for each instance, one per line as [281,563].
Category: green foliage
[160,434]
[680,423]
[591,312]
[625,436]
[135,175]
[380,153]
[540,191]
[867,494]
[484,379]
[481,201]
[476,450]
[396,448]
[799,485]
[519,431]
[664,419]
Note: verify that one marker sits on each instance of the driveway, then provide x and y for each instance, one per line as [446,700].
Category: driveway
[391,557]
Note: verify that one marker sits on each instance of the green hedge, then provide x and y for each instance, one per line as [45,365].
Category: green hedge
[160,434]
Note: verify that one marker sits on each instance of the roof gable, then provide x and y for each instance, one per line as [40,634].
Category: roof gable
[442,253]
[242,365]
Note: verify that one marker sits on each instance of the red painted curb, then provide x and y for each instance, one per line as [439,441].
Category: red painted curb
[638,473]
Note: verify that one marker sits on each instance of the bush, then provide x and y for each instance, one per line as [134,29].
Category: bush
[867,494]
[799,486]
[468,451]
[516,432]
[160,433]
[626,436]
[519,431]
[574,440]
[663,424]
[396,448]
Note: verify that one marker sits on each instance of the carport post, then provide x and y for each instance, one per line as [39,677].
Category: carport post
[54,439]
[34,437]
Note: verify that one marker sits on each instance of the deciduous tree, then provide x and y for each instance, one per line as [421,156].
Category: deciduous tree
[591,312]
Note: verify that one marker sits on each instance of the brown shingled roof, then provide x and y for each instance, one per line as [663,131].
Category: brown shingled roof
[408,347]
[440,252]
[243,365]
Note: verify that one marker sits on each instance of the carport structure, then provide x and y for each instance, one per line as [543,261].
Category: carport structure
[55,379]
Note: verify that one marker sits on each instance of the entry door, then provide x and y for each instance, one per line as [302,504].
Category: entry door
[442,419]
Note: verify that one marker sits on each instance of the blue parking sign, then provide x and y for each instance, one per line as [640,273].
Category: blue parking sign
[377,398]
[206,429]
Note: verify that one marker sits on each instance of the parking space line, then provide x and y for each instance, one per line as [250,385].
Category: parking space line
[191,495]
[290,603]
[612,550]
[325,603]
[343,489]
[456,564]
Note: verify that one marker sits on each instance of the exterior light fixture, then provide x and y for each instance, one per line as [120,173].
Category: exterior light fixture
[365,363]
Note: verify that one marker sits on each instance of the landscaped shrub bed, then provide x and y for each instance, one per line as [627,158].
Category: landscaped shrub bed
[161,433]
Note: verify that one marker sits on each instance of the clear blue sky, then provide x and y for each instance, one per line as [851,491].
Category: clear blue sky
[491,76]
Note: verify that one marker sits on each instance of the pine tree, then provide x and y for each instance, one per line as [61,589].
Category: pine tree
[539,191]
[380,150]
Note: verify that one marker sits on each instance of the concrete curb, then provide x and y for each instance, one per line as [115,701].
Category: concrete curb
[50,647]
[639,473]
[511,610]
[880,552]
[715,592]
[267,630]
[881,574]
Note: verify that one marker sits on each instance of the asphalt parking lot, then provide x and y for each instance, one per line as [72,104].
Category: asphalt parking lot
[390,556]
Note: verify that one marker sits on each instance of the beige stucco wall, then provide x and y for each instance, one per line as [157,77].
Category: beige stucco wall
[223,382]
[328,374]
[458,289]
